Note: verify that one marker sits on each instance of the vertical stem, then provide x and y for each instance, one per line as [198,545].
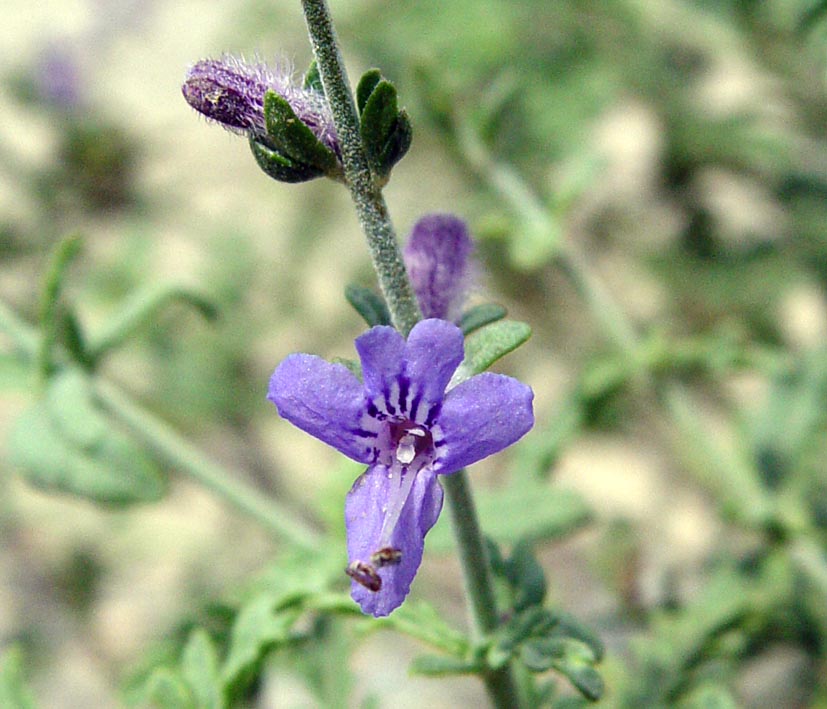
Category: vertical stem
[393,279]
[476,575]
[366,194]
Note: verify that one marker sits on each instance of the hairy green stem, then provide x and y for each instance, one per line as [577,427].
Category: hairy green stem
[393,279]
[180,454]
[366,194]
[476,573]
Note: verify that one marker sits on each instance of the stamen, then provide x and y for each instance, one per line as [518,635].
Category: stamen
[386,556]
[364,574]
[406,448]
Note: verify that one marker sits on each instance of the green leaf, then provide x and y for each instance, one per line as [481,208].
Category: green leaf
[536,239]
[569,657]
[386,131]
[526,576]
[379,116]
[313,79]
[72,336]
[538,654]
[370,79]
[354,366]
[293,138]
[64,443]
[480,316]
[199,666]
[280,167]
[567,625]
[532,621]
[166,689]
[13,691]
[487,345]
[581,673]
[812,17]
[258,628]
[369,304]
[72,410]
[51,319]
[397,144]
[421,621]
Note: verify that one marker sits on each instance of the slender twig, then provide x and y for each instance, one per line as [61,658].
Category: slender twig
[375,220]
[186,458]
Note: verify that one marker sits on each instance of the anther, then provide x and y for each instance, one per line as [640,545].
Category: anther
[364,574]
[386,556]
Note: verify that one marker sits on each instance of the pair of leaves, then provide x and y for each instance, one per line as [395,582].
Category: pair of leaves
[545,640]
[370,305]
[385,128]
[206,678]
[65,442]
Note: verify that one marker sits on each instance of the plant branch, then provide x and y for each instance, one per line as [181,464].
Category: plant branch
[366,194]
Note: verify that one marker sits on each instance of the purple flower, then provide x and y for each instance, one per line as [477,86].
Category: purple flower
[408,429]
[438,256]
[58,77]
[231,92]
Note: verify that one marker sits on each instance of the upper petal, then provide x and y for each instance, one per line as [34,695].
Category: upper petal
[432,354]
[482,416]
[323,399]
[381,350]
[365,509]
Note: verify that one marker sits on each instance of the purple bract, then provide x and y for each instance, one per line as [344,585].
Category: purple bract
[438,257]
[231,92]
[408,429]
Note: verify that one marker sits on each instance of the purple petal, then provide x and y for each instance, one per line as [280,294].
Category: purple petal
[365,509]
[229,91]
[381,350]
[433,352]
[323,399]
[438,258]
[482,416]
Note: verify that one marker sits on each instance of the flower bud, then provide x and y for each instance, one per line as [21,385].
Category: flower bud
[232,92]
[439,258]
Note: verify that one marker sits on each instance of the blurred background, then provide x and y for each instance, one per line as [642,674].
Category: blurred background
[646,182]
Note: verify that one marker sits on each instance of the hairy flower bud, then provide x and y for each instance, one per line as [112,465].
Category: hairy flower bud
[231,92]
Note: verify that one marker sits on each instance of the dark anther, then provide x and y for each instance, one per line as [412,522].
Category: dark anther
[386,556]
[364,574]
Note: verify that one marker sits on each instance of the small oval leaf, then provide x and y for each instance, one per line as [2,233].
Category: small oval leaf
[293,138]
[368,304]
[62,443]
[280,167]
[487,345]
[480,316]
[366,86]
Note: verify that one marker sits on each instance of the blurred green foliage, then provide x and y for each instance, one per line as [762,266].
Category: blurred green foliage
[677,150]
